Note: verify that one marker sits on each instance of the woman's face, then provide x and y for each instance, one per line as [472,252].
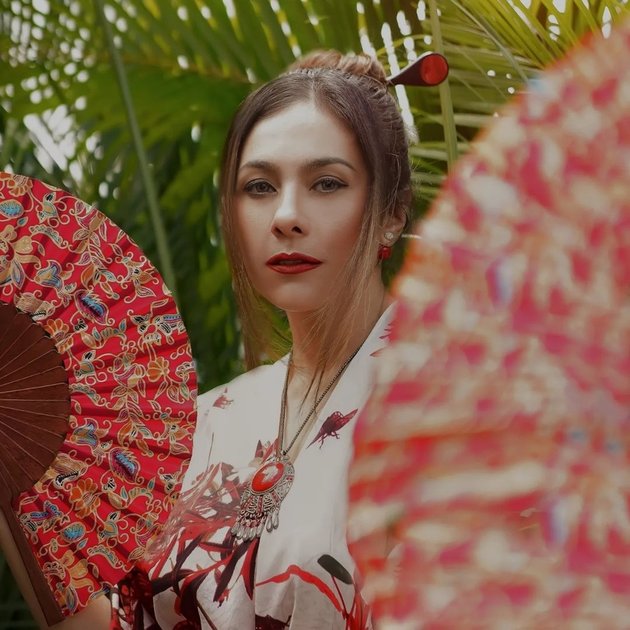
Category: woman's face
[300,196]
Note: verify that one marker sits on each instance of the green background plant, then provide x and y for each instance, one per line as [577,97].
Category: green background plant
[188,64]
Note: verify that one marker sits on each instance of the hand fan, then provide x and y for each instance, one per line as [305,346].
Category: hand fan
[97,394]
[491,478]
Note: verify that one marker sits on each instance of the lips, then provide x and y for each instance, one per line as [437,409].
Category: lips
[293,263]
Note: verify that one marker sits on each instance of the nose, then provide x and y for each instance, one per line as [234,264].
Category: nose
[287,218]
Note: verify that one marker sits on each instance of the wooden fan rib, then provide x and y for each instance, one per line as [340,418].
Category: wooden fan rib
[9,487]
[25,473]
[36,338]
[38,446]
[45,425]
[52,352]
[35,388]
[33,365]
[39,400]
[8,316]
[54,415]
[28,468]
[26,327]
[60,425]
[27,461]
[45,374]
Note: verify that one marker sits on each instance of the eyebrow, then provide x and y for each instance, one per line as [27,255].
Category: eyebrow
[311,165]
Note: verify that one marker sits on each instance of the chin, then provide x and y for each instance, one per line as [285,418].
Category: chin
[296,307]
[293,301]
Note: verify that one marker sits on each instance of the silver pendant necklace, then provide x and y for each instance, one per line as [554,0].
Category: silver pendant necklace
[260,504]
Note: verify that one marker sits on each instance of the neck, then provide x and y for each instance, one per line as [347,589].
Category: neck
[308,387]
[307,348]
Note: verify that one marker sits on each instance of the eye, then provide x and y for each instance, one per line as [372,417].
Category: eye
[258,187]
[328,185]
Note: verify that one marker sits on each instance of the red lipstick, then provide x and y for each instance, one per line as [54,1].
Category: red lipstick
[292,263]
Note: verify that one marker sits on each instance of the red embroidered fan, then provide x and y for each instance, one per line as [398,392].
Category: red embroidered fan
[491,474]
[97,394]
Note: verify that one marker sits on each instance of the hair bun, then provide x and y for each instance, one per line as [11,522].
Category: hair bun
[358,64]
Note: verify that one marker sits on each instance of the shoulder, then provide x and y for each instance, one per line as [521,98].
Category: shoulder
[380,335]
[222,397]
[233,416]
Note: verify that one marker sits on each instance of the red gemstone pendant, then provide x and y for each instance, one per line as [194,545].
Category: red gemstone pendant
[267,476]
[261,500]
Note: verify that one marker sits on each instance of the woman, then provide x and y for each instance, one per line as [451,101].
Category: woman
[316,189]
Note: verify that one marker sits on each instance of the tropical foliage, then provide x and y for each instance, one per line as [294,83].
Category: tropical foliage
[64,65]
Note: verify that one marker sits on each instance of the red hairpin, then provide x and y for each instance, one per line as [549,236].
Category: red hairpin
[428,70]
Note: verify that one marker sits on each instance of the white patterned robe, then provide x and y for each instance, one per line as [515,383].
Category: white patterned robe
[299,576]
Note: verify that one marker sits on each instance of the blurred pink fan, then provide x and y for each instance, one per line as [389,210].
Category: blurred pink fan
[491,480]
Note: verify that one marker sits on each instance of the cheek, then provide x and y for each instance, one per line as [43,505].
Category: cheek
[250,239]
[348,231]
[249,230]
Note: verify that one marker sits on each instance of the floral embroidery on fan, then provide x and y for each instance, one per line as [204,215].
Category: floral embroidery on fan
[332,425]
[223,402]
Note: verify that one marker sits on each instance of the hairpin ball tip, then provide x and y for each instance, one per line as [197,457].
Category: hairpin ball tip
[428,70]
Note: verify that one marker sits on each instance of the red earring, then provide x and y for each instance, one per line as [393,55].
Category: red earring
[384,252]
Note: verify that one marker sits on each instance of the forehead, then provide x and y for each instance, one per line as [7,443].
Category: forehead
[301,131]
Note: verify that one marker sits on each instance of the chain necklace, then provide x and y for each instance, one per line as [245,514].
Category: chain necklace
[270,484]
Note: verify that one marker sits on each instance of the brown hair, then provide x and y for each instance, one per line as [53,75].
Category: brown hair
[353,88]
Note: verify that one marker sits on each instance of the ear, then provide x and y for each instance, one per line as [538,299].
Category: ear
[395,223]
